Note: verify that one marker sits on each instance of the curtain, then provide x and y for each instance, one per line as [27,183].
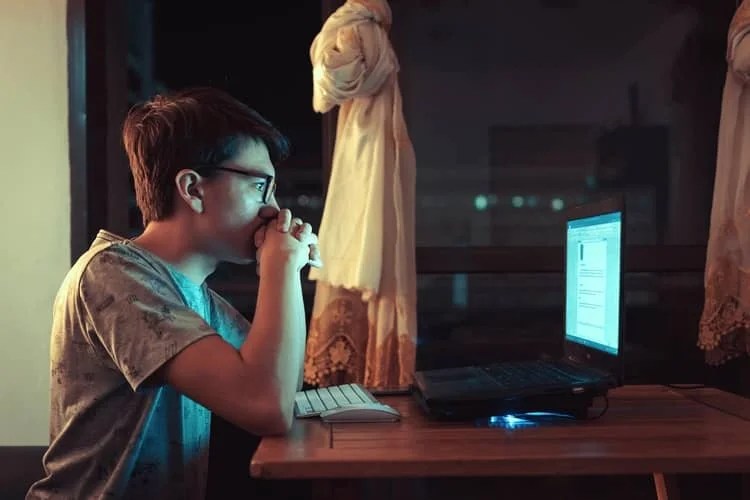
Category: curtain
[725,321]
[363,326]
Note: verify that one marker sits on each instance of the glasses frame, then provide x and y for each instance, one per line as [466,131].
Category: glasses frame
[268,190]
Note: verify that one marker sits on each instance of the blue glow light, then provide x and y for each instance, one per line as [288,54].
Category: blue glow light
[509,422]
[529,419]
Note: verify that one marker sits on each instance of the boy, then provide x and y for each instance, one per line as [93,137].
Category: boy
[141,349]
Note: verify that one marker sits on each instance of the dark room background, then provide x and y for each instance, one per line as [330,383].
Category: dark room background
[517,110]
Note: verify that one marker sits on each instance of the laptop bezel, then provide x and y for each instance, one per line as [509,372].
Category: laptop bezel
[575,352]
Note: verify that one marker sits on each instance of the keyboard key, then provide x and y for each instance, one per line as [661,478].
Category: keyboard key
[366,397]
[352,396]
[315,402]
[325,396]
[338,396]
[302,404]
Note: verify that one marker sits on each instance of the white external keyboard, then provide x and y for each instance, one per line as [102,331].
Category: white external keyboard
[312,402]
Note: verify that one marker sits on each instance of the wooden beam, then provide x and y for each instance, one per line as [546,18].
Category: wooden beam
[510,259]
[76,19]
[97,101]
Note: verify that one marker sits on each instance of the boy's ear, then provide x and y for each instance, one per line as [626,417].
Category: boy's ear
[190,189]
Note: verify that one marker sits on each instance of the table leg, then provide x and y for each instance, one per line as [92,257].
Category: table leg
[666,486]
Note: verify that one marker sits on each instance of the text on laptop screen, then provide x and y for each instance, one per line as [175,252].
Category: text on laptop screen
[592,281]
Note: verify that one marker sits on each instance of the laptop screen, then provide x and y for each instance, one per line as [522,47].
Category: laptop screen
[592,281]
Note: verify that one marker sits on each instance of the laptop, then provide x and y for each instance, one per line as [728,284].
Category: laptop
[592,360]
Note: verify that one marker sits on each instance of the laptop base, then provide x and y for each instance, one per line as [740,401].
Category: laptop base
[576,406]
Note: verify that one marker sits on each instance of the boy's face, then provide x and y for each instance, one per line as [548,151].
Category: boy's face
[234,204]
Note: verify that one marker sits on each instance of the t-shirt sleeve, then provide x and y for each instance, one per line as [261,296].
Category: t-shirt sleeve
[136,313]
[230,323]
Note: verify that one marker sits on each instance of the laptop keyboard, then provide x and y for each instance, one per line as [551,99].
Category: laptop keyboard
[312,402]
[530,373]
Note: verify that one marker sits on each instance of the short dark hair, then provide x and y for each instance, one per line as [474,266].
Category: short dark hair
[200,125]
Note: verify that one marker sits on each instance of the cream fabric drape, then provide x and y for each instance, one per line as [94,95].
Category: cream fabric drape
[725,322]
[364,315]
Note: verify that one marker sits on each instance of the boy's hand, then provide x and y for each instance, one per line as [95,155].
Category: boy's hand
[284,223]
[304,233]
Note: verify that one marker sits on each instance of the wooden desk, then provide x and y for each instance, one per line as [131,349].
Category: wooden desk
[647,430]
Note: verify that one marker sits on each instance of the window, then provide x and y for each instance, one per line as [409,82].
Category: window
[519,109]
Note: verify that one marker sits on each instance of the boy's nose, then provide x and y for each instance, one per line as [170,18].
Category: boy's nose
[269,211]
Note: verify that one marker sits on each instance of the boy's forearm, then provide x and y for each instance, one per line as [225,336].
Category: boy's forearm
[275,346]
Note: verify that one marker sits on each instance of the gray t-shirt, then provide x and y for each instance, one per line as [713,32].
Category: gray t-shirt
[119,315]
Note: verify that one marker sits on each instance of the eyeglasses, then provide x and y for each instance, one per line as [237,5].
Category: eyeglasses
[268,185]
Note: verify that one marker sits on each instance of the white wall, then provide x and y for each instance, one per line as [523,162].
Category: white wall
[34,207]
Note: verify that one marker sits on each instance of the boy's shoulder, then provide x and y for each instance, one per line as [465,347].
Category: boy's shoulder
[108,255]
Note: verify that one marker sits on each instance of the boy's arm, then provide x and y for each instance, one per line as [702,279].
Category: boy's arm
[254,387]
